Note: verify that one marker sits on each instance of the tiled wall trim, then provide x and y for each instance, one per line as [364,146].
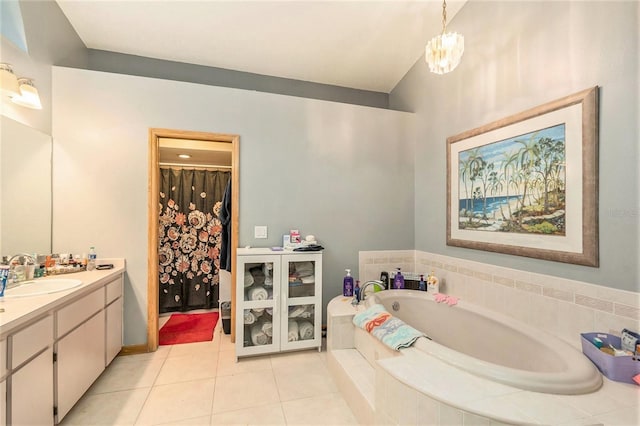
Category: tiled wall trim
[559,306]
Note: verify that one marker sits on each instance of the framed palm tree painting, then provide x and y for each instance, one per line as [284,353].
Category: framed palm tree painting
[527,185]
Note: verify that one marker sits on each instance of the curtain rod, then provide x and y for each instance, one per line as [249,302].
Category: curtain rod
[195,166]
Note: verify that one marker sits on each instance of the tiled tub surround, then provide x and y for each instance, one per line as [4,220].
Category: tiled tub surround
[410,387]
[562,307]
[394,389]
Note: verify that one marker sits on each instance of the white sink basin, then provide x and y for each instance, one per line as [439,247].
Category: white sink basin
[36,288]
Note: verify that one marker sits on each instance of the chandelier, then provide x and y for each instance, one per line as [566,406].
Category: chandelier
[443,52]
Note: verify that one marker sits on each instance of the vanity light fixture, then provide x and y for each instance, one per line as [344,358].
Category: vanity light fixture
[28,94]
[443,52]
[8,81]
[184,156]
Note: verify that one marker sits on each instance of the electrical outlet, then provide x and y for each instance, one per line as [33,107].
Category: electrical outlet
[259,232]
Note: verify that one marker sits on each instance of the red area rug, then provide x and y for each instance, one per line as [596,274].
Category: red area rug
[188,328]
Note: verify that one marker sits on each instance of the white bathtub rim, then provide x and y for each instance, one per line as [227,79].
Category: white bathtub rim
[565,383]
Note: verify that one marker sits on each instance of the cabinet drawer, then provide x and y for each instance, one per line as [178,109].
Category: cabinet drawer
[28,341]
[114,289]
[75,313]
[3,357]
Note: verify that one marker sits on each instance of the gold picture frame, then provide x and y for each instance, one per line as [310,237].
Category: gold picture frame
[527,185]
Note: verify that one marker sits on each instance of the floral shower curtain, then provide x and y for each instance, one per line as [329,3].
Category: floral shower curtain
[190,238]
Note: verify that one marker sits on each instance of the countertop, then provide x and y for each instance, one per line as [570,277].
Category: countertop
[21,310]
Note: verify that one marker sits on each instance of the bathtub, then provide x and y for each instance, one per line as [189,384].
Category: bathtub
[491,345]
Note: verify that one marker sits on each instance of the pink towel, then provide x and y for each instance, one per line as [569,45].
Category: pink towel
[452,300]
[449,300]
[439,297]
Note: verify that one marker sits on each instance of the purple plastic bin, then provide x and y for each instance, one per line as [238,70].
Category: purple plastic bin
[617,368]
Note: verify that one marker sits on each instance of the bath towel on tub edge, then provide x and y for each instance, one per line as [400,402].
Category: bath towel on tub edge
[390,330]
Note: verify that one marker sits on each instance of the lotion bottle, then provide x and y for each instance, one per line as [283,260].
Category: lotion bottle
[422,286]
[398,281]
[347,284]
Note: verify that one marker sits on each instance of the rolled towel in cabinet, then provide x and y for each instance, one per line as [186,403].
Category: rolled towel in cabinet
[267,328]
[249,317]
[258,337]
[294,333]
[257,293]
[248,279]
[306,330]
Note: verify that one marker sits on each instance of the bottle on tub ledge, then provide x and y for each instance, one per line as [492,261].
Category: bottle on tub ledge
[398,280]
[347,284]
[433,284]
[422,285]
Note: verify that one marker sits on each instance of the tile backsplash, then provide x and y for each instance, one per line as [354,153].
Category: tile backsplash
[562,307]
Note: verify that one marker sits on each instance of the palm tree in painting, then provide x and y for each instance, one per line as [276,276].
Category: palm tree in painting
[509,167]
[464,175]
[527,159]
[550,160]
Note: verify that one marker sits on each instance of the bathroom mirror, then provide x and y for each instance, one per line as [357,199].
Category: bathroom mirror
[25,189]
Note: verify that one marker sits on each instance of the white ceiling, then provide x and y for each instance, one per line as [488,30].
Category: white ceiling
[367,45]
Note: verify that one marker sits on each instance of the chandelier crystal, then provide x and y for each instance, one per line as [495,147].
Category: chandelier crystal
[443,52]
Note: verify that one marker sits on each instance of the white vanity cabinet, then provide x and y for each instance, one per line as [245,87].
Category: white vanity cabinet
[279,301]
[113,321]
[80,349]
[31,379]
[47,362]
[3,383]
[3,403]
[32,391]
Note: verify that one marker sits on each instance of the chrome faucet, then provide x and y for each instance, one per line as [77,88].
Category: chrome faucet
[16,275]
[380,284]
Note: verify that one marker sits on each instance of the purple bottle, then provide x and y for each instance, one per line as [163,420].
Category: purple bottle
[347,284]
[398,281]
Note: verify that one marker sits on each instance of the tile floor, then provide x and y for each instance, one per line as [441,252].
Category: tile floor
[202,384]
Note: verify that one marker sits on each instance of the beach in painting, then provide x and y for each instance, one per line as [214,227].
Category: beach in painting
[515,185]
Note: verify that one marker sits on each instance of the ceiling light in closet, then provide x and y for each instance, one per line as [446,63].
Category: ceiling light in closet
[184,156]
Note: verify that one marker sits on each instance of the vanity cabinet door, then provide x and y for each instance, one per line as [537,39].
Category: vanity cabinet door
[80,360]
[3,403]
[114,330]
[32,392]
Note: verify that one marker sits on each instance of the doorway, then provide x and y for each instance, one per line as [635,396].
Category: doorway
[197,141]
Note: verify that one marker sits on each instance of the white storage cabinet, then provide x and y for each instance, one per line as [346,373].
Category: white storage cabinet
[279,301]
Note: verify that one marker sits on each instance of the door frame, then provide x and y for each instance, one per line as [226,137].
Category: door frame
[155,135]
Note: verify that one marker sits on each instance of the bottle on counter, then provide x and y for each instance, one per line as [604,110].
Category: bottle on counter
[347,284]
[398,280]
[356,291]
[91,261]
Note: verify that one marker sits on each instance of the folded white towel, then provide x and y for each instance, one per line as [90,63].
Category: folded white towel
[257,293]
[306,330]
[294,332]
[296,311]
[258,337]
[249,317]
[304,269]
[267,328]
[258,312]
[248,279]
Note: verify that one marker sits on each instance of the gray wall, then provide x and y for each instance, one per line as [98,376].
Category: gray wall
[100,60]
[341,172]
[517,56]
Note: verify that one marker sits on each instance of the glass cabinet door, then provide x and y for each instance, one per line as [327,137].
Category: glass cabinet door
[258,301]
[302,295]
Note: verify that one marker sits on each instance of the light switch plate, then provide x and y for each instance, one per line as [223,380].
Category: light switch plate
[260,232]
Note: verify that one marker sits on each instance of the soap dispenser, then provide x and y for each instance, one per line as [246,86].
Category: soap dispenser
[347,284]
[398,281]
